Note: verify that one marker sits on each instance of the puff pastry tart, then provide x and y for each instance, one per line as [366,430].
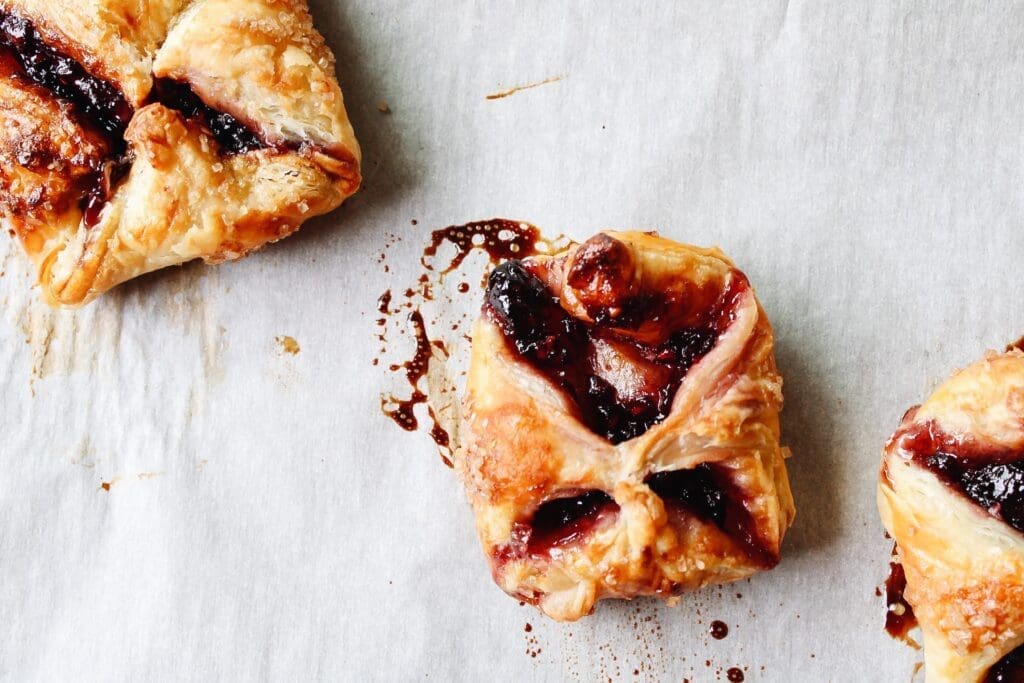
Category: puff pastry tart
[620,433]
[951,494]
[138,134]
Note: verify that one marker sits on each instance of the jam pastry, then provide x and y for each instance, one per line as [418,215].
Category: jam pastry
[951,494]
[621,433]
[139,134]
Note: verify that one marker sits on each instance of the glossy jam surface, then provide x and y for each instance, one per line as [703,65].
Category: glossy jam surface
[563,521]
[1009,669]
[708,493]
[98,101]
[899,615]
[231,135]
[991,478]
[646,333]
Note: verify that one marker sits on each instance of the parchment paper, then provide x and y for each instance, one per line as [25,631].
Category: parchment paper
[183,498]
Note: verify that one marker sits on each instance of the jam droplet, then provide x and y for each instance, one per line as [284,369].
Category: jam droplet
[719,629]
[735,675]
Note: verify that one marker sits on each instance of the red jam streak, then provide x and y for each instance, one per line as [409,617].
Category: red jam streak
[1009,669]
[565,349]
[557,524]
[992,478]
[98,101]
[899,615]
[231,135]
[709,493]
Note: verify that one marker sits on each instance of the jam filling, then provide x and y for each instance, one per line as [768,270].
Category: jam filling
[1009,669]
[708,493]
[98,101]
[563,521]
[657,336]
[231,135]
[991,478]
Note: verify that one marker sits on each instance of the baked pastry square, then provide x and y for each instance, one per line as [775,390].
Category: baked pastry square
[620,433]
[143,134]
[951,494]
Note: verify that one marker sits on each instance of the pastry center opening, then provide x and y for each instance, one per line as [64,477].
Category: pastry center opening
[623,368]
[100,103]
[1009,669]
[708,493]
[563,521]
[232,136]
[991,478]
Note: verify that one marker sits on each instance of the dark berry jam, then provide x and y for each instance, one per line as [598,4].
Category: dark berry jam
[231,135]
[991,478]
[657,336]
[97,101]
[709,493]
[899,615]
[1009,669]
[563,521]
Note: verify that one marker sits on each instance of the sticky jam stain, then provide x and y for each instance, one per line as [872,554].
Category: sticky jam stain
[499,239]
[899,615]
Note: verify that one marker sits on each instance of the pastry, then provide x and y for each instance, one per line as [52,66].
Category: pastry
[141,134]
[620,430]
[951,494]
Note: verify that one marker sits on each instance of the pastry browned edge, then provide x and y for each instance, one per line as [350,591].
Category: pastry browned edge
[951,494]
[621,425]
[139,134]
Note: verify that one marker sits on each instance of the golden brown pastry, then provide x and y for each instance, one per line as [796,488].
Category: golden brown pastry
[138,134]
[951,494]
[621,432]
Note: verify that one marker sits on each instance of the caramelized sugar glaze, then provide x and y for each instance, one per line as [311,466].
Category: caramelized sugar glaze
[652,337]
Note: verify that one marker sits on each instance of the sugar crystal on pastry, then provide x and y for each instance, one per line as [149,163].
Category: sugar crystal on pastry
[951,494]
[620,433]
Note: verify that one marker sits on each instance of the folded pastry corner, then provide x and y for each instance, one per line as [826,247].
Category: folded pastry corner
[621,432]
[951,494]
[138,135]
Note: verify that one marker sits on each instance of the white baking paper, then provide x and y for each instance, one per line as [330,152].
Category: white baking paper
[182,498]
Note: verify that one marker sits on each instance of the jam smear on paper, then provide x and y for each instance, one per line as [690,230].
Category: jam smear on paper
[899,615]
[445,253]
